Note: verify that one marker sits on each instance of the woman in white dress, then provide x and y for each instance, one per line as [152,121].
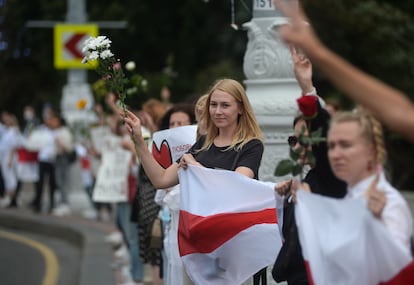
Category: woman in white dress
[10,141]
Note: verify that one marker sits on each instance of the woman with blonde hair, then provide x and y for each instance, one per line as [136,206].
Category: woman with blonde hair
[233,140]
[231,128]
[199,115]
[356,154]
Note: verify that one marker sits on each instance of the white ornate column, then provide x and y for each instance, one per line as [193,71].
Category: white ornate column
[270,84]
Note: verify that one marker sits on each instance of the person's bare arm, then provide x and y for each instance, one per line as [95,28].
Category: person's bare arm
[389,105]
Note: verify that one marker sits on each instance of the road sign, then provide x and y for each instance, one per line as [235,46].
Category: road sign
[68,44]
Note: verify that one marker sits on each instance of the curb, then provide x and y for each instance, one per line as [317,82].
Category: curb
[96,254]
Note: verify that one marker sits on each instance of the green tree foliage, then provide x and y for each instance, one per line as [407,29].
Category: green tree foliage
[186,44]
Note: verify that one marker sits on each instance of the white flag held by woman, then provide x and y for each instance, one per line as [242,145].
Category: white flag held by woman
[342,243]
[228,225]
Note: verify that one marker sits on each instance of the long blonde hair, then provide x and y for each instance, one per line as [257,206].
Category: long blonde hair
[247,126]
[371,129]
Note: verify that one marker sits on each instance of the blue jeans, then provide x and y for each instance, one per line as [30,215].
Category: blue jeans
[130,232]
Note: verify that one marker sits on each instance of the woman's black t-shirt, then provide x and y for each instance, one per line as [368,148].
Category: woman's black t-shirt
[222,158]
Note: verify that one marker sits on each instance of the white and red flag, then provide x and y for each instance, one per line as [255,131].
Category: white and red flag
[27,165]
[227,227]
[343,243]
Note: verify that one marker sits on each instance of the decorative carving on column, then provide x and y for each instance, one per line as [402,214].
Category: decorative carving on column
[270,84]
[266,56]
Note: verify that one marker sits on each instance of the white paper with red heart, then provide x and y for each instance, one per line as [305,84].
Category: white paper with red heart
[169,145]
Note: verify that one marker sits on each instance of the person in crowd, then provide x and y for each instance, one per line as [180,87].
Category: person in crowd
[31,122]
[123,209]
[144,210]
[390,106]
[233,140]
[198,110]
[289,265]
[178,115]
[153,112]
[9,143]
[2,132]
[65,150]
[356,154]
[333,106]
[46,158]
[90,159]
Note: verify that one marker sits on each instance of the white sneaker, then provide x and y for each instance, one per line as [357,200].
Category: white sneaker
[126,274]
[115,239]
[122,254]
[62,210]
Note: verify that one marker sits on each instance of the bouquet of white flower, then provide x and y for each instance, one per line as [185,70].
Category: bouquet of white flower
[109,67]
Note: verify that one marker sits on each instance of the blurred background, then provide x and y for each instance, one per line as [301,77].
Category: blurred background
[186,44]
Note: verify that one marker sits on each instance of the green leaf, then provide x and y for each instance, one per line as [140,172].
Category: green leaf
[295,154]
[284,167]
[296,169]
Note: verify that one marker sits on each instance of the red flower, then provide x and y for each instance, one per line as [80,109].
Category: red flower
[308,105]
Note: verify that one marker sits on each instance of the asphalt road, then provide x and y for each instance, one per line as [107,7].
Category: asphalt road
[30,259]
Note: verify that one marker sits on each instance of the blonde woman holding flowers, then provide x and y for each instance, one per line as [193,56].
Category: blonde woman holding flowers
[233,140]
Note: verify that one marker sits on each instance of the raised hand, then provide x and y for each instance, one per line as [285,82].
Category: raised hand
[302,68]
[376,198]
[298,32]
[133,126]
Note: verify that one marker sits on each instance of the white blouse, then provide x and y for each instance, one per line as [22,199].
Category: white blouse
[396,215]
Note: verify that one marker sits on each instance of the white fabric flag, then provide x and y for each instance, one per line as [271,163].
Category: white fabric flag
[227,227]
[343,243]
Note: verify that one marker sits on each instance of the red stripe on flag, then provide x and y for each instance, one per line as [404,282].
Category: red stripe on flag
[404,277]
[308,270]
[26,156]
[85,163]
[197,234]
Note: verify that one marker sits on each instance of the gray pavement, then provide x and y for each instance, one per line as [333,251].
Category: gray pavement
[88,235]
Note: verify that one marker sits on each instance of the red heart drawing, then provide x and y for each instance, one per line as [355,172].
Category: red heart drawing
[163,154]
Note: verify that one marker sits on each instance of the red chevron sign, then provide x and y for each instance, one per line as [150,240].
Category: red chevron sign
[68,44]
[73,45]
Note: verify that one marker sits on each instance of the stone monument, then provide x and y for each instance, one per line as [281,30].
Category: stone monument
[271,85]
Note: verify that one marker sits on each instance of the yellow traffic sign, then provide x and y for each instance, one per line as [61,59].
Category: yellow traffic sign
[68,44]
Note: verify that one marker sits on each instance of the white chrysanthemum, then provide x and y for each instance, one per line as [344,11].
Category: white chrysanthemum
[93,55]
[130,65]
[144,83]
[102,42]
[87,44]
[106,54]
[98,43]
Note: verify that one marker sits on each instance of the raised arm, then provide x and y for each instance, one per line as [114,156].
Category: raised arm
[303,70]
[161,178]
[389,105]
